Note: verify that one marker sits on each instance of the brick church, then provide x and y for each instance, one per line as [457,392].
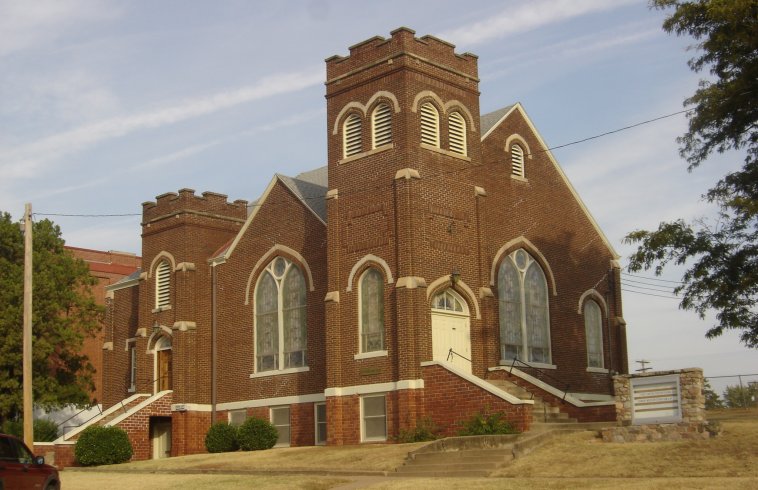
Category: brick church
[440,264]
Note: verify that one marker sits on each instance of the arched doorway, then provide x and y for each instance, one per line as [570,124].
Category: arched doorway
[451,330]
[163,370]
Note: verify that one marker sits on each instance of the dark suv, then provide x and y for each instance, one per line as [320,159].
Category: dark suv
[20,470]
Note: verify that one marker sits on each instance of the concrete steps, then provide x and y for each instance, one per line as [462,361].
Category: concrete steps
[463,463]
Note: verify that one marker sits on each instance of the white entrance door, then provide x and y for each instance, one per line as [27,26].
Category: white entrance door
[161,439]
[451,330]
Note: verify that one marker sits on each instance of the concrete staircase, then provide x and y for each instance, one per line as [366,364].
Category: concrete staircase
[479,456]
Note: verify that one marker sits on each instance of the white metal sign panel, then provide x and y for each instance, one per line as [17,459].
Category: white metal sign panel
[656,400]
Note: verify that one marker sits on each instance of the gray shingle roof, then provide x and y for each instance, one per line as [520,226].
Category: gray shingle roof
[489,120]
[311,193]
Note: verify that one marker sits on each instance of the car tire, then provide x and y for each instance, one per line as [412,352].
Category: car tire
[52,485]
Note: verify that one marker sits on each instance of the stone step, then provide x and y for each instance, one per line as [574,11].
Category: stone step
[465,457]
[452,473]
[441,467]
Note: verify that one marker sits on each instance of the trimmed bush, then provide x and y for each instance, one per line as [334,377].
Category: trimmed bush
[102,445]
[256,434]
[482,425]
[221,438]
[425,430]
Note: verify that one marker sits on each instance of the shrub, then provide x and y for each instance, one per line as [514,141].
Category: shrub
[221,438]
[480,425]
[255,434]
[102,445]
[425,430]
[45,430]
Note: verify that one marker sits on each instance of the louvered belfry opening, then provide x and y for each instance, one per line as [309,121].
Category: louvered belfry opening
[517,161]
[457,129]
[381,122]
[163,284]
[352,135]
[430,124]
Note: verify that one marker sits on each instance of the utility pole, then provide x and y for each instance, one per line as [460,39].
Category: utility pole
[644,367]
[28,421]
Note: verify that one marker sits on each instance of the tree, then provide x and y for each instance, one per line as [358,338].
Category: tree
[721,255]
[741,396]
[64,312]
[712,400]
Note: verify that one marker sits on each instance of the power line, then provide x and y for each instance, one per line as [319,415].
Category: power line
[659,287]
[650,278]
[649,294]
[466,169]
[643,287]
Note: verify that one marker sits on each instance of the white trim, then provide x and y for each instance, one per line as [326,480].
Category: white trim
[405,384]
[137,408]
[569,397]
[156,259]
[591,369]
[363,437]
[558,168]
[598,299]
[480,383]
[369,355]
[538,365]
[365,153]
[269,402]
[532,250]
[122,285]
[266,258]
[277,372]
[593,396]
[361,262]
[435,285]
[364,108]
[100,417]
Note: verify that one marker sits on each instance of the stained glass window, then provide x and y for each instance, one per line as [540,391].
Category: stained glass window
[372,311]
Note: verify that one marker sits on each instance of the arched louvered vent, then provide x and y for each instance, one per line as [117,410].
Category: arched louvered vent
[352,135]
[430,124]
[517,161]
[457,129]
[163,284]
[381,125]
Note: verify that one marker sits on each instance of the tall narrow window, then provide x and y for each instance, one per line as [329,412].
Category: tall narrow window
[320,416]
[381,126]
[163,284]
[524,314]
[132,367]
[352,135]
[593,321]
[374,420]
[372,311]
[430,125]
[457,130]
[280,317]
[517,161]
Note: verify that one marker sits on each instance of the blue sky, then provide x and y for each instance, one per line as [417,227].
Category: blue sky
[106,104]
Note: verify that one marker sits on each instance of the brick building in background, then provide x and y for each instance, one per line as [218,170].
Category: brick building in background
[108,268]
[440,260]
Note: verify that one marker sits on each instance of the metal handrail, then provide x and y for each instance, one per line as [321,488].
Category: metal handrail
[543,373]
[451,352]
[121,402]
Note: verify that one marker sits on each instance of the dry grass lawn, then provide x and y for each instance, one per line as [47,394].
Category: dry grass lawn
[578,460]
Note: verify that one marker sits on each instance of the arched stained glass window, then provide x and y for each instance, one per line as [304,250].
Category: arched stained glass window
[280,317]
[372,311]
[524,309]
[593,321]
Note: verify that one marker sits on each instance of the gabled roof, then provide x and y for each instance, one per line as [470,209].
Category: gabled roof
[125,282]
[488,121]
[307,187]
[311,194]
[498,116]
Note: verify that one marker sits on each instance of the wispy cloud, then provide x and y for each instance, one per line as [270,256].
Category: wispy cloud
[27,159]
[527,17]
[28,23]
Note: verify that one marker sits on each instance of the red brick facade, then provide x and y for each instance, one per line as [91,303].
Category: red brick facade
[426,218]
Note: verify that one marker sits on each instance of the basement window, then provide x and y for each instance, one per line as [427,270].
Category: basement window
[280,418]
[374,418]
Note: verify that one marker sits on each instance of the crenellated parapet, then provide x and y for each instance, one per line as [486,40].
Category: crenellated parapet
[402,43]
[185,201]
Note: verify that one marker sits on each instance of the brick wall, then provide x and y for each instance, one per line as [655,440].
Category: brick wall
[449,400]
